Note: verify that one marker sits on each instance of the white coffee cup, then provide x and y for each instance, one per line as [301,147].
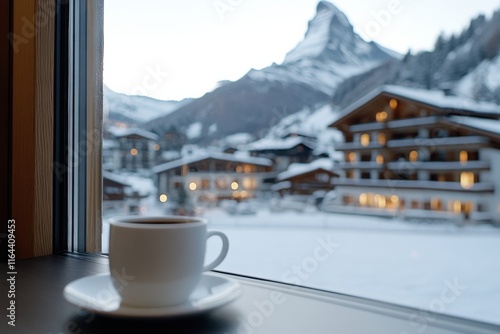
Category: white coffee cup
[158,261]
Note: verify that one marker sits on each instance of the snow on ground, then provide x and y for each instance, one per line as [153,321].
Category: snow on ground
[398,262]
[412,264]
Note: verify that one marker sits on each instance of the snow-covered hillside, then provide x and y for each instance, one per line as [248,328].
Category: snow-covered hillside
[483,82]
[138,109]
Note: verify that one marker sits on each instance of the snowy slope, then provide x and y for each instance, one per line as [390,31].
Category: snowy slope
[466,64]
[140,109]
[483,82]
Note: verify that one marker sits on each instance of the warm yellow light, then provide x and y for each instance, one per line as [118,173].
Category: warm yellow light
[351,157]
[239,169]
[457,206]
[363,199]
[193,186]
[394,199]
[413,156]
[163,198]
[235,185]
[382,139]
[156,147]
[248,169]
[134,151]
[365,139]
[381,116]
[393,104]
[249,183]
[435,204]
[464,157]
[467,180]
[380,159]
[382,202]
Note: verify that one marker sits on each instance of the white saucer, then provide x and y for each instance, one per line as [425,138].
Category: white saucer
[97,294]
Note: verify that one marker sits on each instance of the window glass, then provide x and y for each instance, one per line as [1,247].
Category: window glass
[384,186]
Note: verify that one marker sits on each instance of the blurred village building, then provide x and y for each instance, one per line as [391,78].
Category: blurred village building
[419,154]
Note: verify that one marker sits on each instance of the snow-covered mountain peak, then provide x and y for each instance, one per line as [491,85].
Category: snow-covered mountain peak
[328,23]
[329,53]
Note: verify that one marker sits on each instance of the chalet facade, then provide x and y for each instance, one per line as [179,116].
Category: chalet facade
[306,179]
[114,193]
[419,154]
[130,149]
[283,151]
[209,178]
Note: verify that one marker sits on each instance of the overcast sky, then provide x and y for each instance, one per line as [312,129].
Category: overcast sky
[170,49]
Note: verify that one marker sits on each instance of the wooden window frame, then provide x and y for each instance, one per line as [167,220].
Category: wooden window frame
[54,211]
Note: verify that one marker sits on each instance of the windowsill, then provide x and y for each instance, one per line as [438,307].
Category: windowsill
[40,307]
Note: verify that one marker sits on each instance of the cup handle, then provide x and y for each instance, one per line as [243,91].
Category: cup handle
[223,253]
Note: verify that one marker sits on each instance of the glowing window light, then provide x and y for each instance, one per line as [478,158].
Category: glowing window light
[413,156]
[464,157]
[457,207]
[156,147]
[435,204]
[134,151]
[365,139]
[382,202]
[393,103]
[467,180]
[363,199]
[352,157]
[382,139]
[193,186]
[380,159]
[235,185]
[394,199]
[163,198]
[381,116]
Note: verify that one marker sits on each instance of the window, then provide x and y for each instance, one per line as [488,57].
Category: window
[381,116]
[382,139]
[276,173]
[365,139]
[393,103]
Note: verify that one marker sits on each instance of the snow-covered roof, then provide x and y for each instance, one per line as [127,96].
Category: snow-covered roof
[135,185]
[108,144]
[186,160]
[296,169]
[487,125]
[115,178]
[119,133]
[433,98]
[279,143]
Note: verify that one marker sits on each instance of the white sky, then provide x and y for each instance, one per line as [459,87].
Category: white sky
[170,49]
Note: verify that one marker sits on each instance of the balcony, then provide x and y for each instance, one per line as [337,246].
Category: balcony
[440,165]
[468,142]
[367,127]
[352,146]
[370,165]
[414,123]
[410,184]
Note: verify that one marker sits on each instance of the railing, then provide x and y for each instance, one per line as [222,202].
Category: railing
[411,184]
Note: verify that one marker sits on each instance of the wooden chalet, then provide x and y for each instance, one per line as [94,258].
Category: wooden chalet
[306,179]
[283,151]
[136,148]
[211,177]
[419,154]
